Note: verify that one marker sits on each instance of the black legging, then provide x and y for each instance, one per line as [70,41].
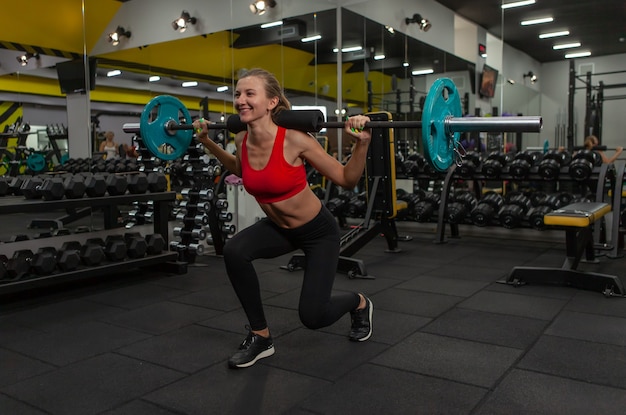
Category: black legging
[319,241]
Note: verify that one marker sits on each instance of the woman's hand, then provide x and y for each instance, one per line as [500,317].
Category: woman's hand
[355,126]
[200,127]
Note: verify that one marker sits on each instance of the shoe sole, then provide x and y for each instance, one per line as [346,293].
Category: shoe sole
[370,314]
[263,354]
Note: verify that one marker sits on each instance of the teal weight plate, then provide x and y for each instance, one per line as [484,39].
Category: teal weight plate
[161,142]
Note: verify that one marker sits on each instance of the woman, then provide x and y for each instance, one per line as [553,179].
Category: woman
[109,146]
[592,141]
[270,161]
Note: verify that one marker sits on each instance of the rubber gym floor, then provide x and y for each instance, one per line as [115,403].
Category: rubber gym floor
[447,339]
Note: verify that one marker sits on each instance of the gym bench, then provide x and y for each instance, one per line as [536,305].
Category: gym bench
[577,219]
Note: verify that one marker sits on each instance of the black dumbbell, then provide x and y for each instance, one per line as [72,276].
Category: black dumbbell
[18,266]
[52,189]
[44,261]
[550,167]
[116,184]
[487,209]
[74,187]
[136,246]
[115,247]
[138,183]
[494,164]
[582,164]
[514,210]
[520,167]
[202,194]
[468,166]
[92,253]
[199,233]
[155,244]
[192,220]
[459,206]
[157,182]
[425,208]
[95,185]
[194,248]
[30,188]
[203,207]
[68,257]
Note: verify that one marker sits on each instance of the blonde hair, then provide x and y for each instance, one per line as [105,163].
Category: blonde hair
[272,89]
[590,142]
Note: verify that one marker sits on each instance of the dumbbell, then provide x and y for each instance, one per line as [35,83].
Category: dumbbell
[74,187]
[494,164]
[486,209]
[95,185]
[460,204]
[92,252]
[520,167]
[193,247]
[550,167]
[356,206]
[468,166]
[138,183]
[225,217]
[542,205]
[157,182]
[67,258]
[582,164]
[155,244]
[202,194]
[136,246]
[425,208]
[114,247]
[30,187]
[336,205]
[513,211]
[203,207]
[411,200]
[198,233]
[228,229]
[16,267]
[116,184]
[192,220]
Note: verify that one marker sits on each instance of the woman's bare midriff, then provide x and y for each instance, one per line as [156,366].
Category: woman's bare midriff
[295,211]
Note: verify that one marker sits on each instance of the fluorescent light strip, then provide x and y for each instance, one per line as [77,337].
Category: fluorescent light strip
[189,84]
[222,88]
[577,55]
[554,34]
[566,46]
[422,72]
[310,38]
[517,4]
[537,21]
[349,49]
[272,24]
[154,78]
[115,72]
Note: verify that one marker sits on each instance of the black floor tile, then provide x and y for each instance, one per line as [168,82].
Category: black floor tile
[478,364]
[220,298]
[188,349]
[161,317]
[443,285]
[135,295]
[414,302]
[139,407]
[518,305]
[590,302]
[12,406]
[80,341]
[260,389]
[17,367]
[92,386]
[603,364]
[321,355]
[372,389]
[499,329]
[593,327]
[523,392]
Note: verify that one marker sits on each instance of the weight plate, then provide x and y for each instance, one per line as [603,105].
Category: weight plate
[36,162]
[161,142]
[442,101]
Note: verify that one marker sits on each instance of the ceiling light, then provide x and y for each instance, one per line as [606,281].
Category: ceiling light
[222,88]
[116,36]
[577,55]
[23,59]
[310,38]
[422,72]
[115,72]
[424,24]
[405,64]
[390,29]
[189,84]
[154,78]
[379,57]
[260,7]
[536,21]
[182,23]
[272,24]
[554,34]
[517,4]
[349,49]
[566,46]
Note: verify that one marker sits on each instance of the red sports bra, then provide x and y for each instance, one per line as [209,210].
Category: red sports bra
[278,180]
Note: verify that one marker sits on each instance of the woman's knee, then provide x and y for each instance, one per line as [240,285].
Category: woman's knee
[312,317]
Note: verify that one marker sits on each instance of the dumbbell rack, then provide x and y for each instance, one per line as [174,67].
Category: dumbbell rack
[14,205]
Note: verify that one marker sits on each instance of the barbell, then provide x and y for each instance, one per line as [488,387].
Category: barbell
[164,131]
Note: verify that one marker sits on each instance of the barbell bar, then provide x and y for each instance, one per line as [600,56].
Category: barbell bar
[166,135]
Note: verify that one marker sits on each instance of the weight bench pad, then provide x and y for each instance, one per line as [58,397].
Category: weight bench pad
[580,215]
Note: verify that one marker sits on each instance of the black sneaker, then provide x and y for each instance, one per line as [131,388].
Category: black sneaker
[253,348]
[361,328]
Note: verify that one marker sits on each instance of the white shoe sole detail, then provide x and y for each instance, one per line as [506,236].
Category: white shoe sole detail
[263,354]
[371,313]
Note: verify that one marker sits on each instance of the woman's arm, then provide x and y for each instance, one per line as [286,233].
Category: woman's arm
[228,160]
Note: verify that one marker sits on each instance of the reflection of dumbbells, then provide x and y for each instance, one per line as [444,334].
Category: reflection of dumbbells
[193,248]
[203,207]
[494,164]
[469,164]
[582,164]
[198,233]
[193,220]
[550,167]
[520,167]
[487,209]
[513,211]
[426,207]
[459,206]
[202,194]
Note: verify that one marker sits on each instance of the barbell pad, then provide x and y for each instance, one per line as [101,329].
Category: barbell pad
[302,120]
[235,125]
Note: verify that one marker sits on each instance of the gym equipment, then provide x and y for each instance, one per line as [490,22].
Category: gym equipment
[52,189]
[513,211]
[202,194]
[425,208]
[138,183]
[441,125]
[582,164]
[459,206]
[520,167]
[95,185]
[116,184]
[468,166]
[487,209]
[550,167]
[157,182]
[92,253]
[136,245]
[199,234]
[155,244]
[493,165]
